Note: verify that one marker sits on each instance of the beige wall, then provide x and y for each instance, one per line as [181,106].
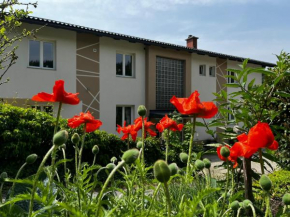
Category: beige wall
[151,53]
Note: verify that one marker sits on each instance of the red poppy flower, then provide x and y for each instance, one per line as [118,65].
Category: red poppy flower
[166,122]
[259,136]
[127,130]
[85,118]
[147,125]
[233,155]
[193,106]
[58,95]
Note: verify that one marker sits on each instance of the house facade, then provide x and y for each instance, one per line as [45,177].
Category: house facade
[114,73]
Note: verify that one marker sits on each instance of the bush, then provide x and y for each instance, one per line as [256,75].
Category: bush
[281,183]
[24,131]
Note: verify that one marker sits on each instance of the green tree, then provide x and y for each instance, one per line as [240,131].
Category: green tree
[11,14]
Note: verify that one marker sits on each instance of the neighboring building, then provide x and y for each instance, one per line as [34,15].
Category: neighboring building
[114,73]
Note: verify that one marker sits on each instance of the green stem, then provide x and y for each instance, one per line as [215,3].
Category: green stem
[64,165]
[261,161]
[209,176]
[82,147]
[57,118]
[233,181]
[253,210]
[228,210]
[226,189]
[36,178]
[284,209]
[153,197]
[95,183]
[268,208]
[106,184]
[167,146]
[128,142]
[190,148]
[167,199]
[76,159]
[143,165]
[239,211]
[1,188]
[16,177]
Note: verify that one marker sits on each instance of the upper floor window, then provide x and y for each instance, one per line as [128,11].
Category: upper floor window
[41,54]
[212,71]
[44,108]
[231,80]
[202,70]
[124,64]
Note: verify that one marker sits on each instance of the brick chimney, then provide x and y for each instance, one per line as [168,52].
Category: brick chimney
[191,41]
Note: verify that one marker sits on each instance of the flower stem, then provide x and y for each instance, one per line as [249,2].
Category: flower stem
[57,118]
[82,147]
[153,197]
[261,161]
[167,146]
[226,189]
[36,178]
[143,165]
[95,182]
[253,210]
[268,208]
[233,182]
[16,177]
[167,199]
[106,184]
[1,188]
[64,165]
[190,148]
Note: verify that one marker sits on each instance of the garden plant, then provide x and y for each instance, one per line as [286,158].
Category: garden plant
[129,185]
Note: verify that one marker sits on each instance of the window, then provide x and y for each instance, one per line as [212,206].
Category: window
[124,64]
[231,80]
[123,113]
[169,81]
[41,54]
[212,71]
[202,70]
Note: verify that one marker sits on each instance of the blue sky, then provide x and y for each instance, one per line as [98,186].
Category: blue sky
[255,29]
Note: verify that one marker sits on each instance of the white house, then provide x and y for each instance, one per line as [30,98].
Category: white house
[114,73]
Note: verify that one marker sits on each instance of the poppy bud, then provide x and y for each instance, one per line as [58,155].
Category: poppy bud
[31,158]
[60,137]
[139,144]
[225,151]
[3,176]
[207,163]
[142,110]
[110,166]
[113,159]
[235,205]
[183,157]
[265,183]
[286,199]
[246,203]
[199,165]
[75,138]
[173,168]
[130,156]
[161,171]
[95,149]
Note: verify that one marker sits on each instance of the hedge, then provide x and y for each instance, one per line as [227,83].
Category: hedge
[24,131]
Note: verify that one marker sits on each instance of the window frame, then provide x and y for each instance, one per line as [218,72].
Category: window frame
[212,67]
[42,108]
[41,54]
[229,80]
[124,65]
[204,70]
[123,113]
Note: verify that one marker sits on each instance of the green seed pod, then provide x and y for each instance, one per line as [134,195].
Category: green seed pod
[235,205]
[225,152]
[246,203]
[142,110]
[199,165]
[286,199]
[110,166]
[75,138]
[113,159]
[173,168]
[95,149]
[139,144]
[161,171]
[265,183]
[183,157]
[3,176]
[60,137]
[207,163]
[130,156]
[31,158]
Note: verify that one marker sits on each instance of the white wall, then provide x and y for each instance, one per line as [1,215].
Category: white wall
[26,82]
[119,90]
[205,85]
